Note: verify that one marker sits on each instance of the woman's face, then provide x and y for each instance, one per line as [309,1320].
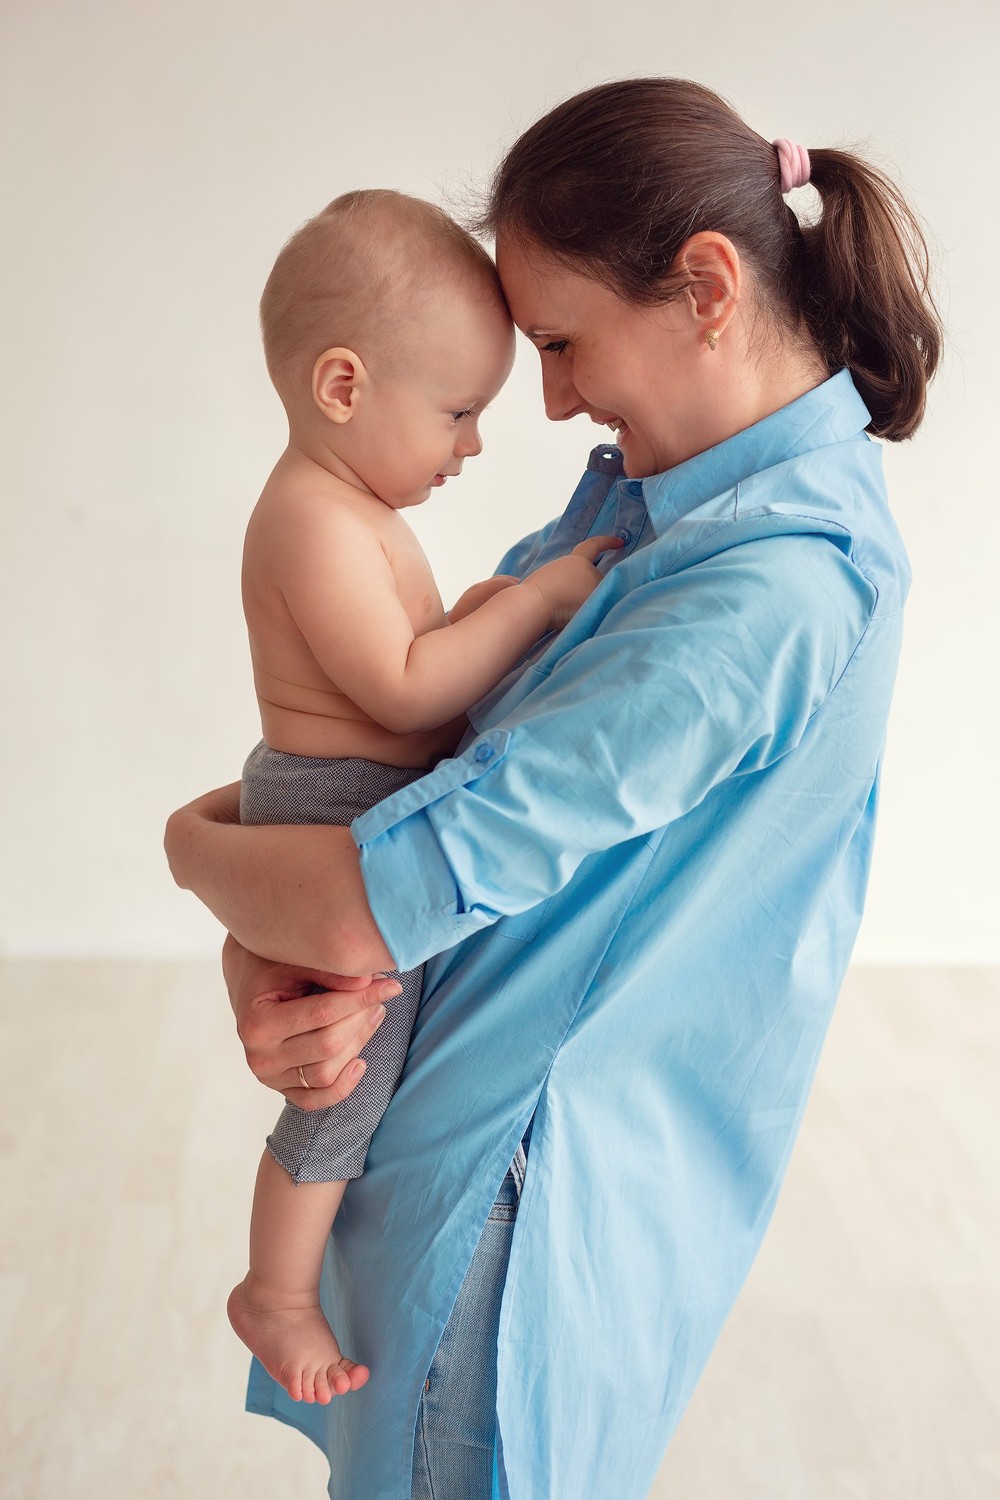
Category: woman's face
[641,371]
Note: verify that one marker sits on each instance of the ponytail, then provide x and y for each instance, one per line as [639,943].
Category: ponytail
[863,289]
[612,182]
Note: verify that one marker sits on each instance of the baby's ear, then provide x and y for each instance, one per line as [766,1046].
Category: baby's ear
[337,378]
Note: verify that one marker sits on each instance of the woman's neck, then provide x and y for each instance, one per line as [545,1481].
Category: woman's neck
[762,377]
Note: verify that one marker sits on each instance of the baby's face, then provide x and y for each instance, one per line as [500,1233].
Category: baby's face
[421,425]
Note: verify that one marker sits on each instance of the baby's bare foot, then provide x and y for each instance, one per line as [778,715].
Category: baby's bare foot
[294,1342]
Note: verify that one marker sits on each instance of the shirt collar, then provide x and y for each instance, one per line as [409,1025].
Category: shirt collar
[830,413]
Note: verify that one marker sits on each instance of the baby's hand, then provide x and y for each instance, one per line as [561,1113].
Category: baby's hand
[477,595]
[567,582]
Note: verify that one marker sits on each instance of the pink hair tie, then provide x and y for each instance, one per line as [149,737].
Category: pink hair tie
[794,163]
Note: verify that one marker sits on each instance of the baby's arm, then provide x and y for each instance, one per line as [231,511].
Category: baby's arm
[478,594]
[341,591]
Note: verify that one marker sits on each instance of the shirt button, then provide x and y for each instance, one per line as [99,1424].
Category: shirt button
[623,535]
[484,753]
[635,488]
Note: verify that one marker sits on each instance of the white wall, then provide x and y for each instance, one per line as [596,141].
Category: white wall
[156,157]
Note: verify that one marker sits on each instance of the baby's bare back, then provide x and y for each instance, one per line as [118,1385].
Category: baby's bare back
[332,579]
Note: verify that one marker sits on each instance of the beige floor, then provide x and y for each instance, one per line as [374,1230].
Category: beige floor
[862,1361]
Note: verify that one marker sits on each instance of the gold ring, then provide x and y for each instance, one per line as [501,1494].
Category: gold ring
[303,1080]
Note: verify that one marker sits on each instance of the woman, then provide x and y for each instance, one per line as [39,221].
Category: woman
[638,883]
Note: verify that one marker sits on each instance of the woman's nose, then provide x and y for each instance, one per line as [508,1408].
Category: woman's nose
[558,391]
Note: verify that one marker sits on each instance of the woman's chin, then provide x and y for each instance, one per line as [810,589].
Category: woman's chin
[637,463]
[631,466]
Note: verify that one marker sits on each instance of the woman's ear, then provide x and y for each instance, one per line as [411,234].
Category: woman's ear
[712,264]
[338,379]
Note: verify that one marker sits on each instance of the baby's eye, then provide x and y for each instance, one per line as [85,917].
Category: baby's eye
[555,346]
[458,415]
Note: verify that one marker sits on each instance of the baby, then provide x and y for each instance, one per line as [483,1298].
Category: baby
[386,335]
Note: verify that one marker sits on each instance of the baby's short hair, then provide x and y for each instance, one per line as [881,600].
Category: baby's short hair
[352,275]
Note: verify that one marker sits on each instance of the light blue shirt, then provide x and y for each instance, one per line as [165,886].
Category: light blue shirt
[637,887]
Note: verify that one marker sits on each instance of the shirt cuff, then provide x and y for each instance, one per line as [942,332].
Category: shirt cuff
[412,889]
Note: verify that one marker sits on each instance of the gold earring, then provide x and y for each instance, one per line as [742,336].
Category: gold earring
[712,338]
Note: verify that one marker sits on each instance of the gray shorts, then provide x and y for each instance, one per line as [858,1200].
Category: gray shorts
[330,1145]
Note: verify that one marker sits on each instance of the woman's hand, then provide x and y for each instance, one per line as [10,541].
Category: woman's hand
[290,1018]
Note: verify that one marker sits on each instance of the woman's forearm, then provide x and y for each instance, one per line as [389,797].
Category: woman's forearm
[292,893]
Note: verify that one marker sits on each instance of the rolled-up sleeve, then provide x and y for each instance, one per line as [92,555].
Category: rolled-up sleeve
[687,679]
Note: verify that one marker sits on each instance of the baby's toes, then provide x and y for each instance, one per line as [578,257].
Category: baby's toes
[357,1375]
[321,1387]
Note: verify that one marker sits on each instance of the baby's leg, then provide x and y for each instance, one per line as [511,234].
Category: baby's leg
[275,1309]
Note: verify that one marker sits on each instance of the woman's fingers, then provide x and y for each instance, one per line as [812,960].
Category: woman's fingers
[293,1021]
[325,1052]
[279,1034]
[279,1016]
[322,1098]
[287,1022]
[338,1068]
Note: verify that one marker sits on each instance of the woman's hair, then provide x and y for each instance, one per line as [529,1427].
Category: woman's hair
[612,182]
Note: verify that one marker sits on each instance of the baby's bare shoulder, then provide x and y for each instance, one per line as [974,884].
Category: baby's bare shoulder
[294,522]
[316,504]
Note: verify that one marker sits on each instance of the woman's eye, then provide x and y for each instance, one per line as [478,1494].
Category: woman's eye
[556,346]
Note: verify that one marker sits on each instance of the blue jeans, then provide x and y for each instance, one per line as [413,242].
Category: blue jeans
[454,1451]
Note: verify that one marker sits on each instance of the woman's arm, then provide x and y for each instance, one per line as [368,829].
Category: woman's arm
[292,893]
